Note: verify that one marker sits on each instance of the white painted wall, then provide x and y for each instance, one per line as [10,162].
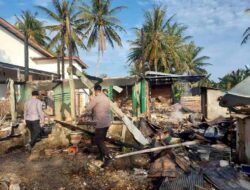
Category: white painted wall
[214,110]
[51,66]
[12,52]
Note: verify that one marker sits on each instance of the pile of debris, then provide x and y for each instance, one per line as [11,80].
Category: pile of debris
[185,152]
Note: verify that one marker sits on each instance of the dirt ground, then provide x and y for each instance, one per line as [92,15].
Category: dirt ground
[66,172]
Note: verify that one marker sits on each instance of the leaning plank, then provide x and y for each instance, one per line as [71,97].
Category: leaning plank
[157,149]
[130,125]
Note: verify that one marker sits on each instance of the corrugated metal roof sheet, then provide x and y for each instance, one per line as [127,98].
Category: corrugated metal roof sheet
[185,182]
[238,95]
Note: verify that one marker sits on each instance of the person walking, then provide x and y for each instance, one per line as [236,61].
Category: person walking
[100,107]
[34,118]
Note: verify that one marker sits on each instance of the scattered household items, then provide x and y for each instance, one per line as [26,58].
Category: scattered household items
[75,138]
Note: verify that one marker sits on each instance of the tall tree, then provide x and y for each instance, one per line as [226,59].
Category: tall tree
[103,25]
[231,79]
[136,55]
[68,30]
[154,27]
[175,47]
[32,30]
[161,44]
[194,64]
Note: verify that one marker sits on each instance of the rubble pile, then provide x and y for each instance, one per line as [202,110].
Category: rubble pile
[185,152]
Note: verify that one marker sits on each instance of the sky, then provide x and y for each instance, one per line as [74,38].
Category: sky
[216,25]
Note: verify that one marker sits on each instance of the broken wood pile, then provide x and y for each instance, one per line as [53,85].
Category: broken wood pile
[183,144]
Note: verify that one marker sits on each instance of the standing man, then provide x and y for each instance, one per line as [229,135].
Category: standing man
[34,117]
[100,106]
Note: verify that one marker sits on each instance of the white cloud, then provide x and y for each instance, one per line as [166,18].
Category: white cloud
[143,2]
[218,26]
[44,3]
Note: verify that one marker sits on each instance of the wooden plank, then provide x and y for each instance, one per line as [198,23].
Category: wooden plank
[182,163]
[157,149]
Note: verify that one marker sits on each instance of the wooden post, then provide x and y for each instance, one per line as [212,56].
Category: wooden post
[134,101]
[240,146]
[12,100]
[143,96]
[147,99]
[58,100]
[137,95]
[110,94]
[124,130]
[72,95]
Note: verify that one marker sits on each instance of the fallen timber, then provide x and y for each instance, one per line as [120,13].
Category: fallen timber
[158,148]
[108,139]
[139,137]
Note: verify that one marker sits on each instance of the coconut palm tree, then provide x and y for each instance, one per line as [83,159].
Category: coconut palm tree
[246,34]
[32,30]
[175,47]
[233,78]
[136,55]
[162,44]
[193,63]
[68,28]
[103,25]
[155,27]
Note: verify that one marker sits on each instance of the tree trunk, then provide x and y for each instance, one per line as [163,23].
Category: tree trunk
[98,64]
[26,56]
[58,65]
[63,55]
[155,64]
[71,84]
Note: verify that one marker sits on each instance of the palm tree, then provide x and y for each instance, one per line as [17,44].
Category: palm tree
[161,45]
[193,64]
[175,47]
[32,30]
[136,54]
[246,34]
[103,25]
[68,30]
[154,27]
[233,78]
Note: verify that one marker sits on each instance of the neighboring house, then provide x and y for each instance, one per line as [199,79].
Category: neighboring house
[210,107]
[42,63]
[159,88]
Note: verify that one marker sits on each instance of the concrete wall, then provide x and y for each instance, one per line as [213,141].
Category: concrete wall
[12,52]
[210,104]
[51,66]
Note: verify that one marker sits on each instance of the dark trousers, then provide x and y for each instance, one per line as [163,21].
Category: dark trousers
[100,135]
[35,131]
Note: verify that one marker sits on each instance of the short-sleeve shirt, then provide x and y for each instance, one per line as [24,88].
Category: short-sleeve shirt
[33,110]
[100,106]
